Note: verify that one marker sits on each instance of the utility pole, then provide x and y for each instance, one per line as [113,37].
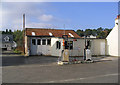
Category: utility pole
[24,32]
[85,48]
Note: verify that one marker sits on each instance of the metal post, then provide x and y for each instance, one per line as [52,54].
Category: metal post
[24,32]
[85,49]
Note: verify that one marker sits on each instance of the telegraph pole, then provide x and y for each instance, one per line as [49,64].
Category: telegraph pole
[24,32]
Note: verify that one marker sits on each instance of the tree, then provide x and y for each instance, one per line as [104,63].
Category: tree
[88,32]
[18,37]
[80,32]
[6,31]
[94,32]
[10,31]
[107,31]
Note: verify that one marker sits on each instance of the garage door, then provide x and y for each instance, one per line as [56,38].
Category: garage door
[40,46]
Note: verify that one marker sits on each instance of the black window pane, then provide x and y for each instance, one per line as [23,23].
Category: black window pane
[70,45]
[58,45]
[48,41]
[43,41]
[39,42]
[33,41]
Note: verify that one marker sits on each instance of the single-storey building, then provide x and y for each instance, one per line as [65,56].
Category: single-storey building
[40,41]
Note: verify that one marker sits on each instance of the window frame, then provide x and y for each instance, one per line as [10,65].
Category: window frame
[45,42]
[35,41]
[49,43]
[70,47]
[39,41]
[58,45]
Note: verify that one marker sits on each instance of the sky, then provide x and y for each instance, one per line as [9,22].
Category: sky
[59,15]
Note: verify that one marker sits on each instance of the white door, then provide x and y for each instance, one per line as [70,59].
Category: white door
[39,46]
[33,46]
[45,47]
[102,48]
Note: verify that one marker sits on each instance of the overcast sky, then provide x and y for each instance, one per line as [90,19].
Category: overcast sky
[75,15]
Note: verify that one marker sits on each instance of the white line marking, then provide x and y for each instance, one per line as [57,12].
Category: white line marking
[80,78]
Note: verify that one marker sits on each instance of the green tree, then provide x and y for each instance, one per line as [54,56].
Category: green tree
[6,31]
[88,32]
[80,32]
[94,32]
[10,31]
[18,37]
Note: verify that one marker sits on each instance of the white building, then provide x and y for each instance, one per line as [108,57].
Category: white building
[50,42]
[113,39]
[91,36]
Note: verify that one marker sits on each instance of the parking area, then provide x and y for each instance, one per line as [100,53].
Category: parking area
[14,60]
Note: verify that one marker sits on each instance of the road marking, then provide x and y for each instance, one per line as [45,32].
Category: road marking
[31,65]
[67,80]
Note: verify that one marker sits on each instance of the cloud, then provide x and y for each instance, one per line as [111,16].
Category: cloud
[37,15]
[46,17]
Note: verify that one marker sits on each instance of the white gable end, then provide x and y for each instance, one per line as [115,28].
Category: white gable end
[113,40]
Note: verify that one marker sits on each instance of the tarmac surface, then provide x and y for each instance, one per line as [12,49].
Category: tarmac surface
[44,69]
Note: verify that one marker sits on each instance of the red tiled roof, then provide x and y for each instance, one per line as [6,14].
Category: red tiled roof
[55,32]
[118,17]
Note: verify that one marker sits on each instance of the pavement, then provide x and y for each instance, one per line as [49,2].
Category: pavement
[44,69]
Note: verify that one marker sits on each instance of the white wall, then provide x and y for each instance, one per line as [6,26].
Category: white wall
[78,47]
[54,51]
[98,46]
[112,41]
[119,38]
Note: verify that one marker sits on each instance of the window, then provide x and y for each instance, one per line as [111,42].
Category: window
[58,45]
[50,34]
[43,41]
[34,41]
[48,41]
[38,41]
[69,45]
[33,33]
[7,38]
[70,34]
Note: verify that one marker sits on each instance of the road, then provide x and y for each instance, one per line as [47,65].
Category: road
[50,72]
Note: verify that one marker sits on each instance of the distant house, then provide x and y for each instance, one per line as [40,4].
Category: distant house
[7,42]
[90,36]
[113,39]
[50,42]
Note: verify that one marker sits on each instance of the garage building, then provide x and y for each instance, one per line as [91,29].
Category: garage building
[50,42]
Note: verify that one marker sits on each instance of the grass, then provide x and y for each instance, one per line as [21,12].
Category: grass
[17,51]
